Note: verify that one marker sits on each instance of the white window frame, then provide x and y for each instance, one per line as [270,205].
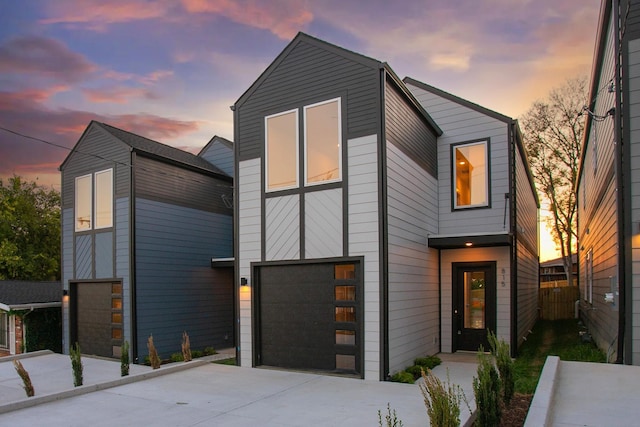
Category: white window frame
[339,138]
[5,330]
[588,285]
[95,199]
[75,209]
[485,143]
[266,151]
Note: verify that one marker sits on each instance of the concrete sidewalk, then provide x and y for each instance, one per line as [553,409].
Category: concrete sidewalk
[212,394]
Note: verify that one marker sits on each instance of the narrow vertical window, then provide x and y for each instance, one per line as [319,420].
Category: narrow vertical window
[322,138]
[281,132]
[4,330]
[104,199]
[588,290]
[471,175]
[83,203]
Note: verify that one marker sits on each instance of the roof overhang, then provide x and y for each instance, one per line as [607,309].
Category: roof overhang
[223,262]
[31,306]
[457,241]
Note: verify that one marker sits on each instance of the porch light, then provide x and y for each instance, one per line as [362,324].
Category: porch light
[243,281]
[468,244]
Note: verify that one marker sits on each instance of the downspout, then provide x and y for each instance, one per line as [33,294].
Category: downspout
[236,239]
[132,258]
[382,230]
[619,172]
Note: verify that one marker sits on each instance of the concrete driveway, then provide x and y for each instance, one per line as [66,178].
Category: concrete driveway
[202,393]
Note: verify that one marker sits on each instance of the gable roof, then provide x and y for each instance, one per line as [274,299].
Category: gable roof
[340,51]
[216,138]
[457,99]
[151,148]
[19,294]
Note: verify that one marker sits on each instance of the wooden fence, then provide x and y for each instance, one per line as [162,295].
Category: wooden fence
[558,303]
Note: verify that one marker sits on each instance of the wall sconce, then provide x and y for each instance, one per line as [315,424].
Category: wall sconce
[243,281]
[468,244]
[65,293]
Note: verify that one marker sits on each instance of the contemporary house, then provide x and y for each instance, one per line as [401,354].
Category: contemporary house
[553,270]
[376,220]
[608,187]
[29,316]
[141,223]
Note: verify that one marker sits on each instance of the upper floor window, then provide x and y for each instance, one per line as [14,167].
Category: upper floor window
[471,175]
[322,136]
[322,139]
[282,150]
[94,201]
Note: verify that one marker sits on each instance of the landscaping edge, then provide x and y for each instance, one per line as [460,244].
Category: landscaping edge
[540,410]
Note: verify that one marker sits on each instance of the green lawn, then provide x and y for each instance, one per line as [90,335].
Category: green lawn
[551,338]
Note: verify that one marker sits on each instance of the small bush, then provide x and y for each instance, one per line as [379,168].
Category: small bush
[486,389]
[390,420]
[76,364]
[500,351]
[197,353]
[442,400]
[124,359]
[403,377]
[210,351]
[154,359]
[176,357]
[26,380]
[186,347]
[428,362]
[415,370]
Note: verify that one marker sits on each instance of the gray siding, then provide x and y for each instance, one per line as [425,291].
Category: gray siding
[84,256]
[364,239]
[104,255]
[634,162]
[631,13]
[413,266]
[220,155]
[308,73]
[460,123]
[597,225]
[408,130]
[527,267]
[323,224]
[171,184]
[249,240]
[67,269]
[176,289]
[282,228]
[97,150]
[123,260]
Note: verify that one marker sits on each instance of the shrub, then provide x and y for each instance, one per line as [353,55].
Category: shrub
[442,400]
[26,380]
[486,389]
[428,362]
[186,347]
[500,351]
[197,353]
[403,377]
[154,359]
[415,370]
[391,419]
[210,351]
[124,359]
[76,364]
[176,357]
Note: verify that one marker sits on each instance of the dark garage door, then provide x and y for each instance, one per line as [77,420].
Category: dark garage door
[99,318]
[310,317]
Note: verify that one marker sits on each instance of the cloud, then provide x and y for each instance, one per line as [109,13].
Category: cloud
[284,18]
[44,57]
[118,95]
[96,15]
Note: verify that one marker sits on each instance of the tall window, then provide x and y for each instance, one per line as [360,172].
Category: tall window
[471,175]
[322,142]
[4,329]
[94,201]
[322,139]
[104,198]
[282,150]
[83,203]
[588,283]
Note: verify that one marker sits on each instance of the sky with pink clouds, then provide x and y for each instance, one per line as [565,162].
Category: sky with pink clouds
[170,69]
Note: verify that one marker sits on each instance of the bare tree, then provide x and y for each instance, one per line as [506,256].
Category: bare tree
[553,130]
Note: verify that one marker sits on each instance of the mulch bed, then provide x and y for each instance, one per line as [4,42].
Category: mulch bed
[515,414]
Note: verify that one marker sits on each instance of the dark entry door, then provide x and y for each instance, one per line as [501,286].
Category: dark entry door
[474,306]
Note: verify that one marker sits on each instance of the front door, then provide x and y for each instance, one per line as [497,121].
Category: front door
[474,304]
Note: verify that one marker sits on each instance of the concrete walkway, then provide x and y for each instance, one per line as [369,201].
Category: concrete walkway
[203,393]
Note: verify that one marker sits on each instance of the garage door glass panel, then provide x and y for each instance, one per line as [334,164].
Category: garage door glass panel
[345,293]
[345,272]
[345,314]
[345,337]
[345,362]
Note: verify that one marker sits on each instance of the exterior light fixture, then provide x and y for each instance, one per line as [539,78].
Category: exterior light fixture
[243,281]
[468,244]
